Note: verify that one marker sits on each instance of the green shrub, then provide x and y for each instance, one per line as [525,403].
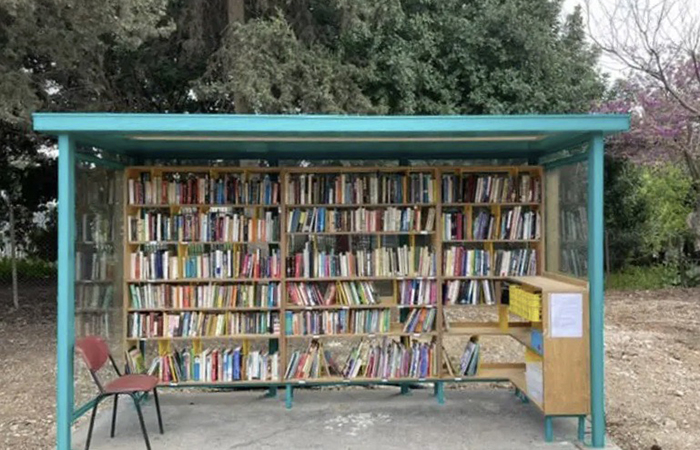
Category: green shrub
[27,269]
[644,277]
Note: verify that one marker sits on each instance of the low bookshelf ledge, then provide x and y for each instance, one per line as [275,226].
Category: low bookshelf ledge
[217,251]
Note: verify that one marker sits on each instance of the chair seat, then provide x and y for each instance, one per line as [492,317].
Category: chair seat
[131,383]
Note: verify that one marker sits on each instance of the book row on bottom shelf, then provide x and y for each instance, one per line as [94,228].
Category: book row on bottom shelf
[166,296]
[194,324]
[368,359]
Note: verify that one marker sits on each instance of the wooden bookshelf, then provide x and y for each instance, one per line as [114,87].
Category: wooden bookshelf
[290,243]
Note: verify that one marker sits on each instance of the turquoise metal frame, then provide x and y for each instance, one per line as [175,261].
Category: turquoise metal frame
[239,136]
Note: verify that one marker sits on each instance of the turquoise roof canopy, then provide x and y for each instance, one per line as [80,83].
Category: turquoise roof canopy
[201,136]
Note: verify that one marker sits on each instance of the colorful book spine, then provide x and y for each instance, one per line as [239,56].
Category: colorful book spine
[477,188]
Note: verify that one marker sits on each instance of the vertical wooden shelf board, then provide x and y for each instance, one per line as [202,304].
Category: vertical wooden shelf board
[566,361]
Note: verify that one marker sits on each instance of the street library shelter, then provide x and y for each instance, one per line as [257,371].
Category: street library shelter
[229,250]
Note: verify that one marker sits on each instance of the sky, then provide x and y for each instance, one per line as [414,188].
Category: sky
[606,63]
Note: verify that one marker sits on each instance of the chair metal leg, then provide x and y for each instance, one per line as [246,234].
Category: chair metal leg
[143,425]
[160,420]
[92,423]
[114,415]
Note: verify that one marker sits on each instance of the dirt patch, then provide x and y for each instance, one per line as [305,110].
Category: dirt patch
[652,349]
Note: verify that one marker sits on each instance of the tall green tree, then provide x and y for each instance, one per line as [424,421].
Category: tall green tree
[406,57]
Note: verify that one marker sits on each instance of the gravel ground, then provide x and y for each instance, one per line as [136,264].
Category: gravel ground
[652,348]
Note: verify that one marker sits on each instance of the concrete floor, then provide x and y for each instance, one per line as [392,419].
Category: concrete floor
[332,419]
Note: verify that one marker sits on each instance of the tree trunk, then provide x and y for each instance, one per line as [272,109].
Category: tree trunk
[13,256]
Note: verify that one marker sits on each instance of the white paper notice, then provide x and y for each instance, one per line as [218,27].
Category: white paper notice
[566,315]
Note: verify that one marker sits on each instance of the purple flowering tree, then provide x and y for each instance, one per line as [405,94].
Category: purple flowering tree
[659,42]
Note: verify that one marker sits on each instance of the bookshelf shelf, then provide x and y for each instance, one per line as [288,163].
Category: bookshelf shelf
[204,205]
[205,310]
[361,335]
[487,204]
[207,280]
[379,306]
[372,233]
[362,278]
[215,338]
[361,205]
[491,241]
[202,242]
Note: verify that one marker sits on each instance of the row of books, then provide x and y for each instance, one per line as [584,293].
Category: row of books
[312,323]
[420,321]
[94,265]
[320,220]
[520,224]
[339,293]
[515,262]
[469,292]
[391,359]
[201,188]
[214,365]
[418,292]
[219,224]
[97,296]
[154,263]
[96,228]
[459,261]
[313,362]
[149,296]
[360,188]
[574,224]
[194,324]
[379,262]
[479,188]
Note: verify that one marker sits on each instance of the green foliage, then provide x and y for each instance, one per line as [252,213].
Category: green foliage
[642,277]
[27,269]
[646,210]
[407,57]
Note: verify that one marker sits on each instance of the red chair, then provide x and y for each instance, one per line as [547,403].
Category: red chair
[95,353]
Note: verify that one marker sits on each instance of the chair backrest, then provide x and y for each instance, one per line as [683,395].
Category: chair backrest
[94,351]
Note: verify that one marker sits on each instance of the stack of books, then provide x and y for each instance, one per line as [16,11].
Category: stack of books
[420,321]
[515,262]
[316,323]
[417,292]
[522,224]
